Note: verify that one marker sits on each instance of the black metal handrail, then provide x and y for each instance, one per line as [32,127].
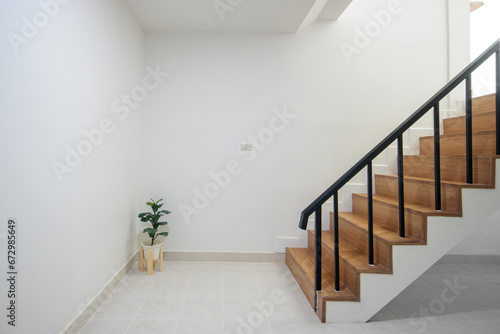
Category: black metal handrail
[397,134]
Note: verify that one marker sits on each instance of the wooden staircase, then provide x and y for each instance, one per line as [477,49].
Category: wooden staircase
[419,192]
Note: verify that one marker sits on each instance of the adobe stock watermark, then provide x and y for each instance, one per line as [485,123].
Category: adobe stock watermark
[30,28]
[224,6]
[372,29]
[264,310]
[94,137]
[221,179]
[420,319]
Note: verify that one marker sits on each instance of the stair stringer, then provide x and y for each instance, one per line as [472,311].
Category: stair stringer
[409,262]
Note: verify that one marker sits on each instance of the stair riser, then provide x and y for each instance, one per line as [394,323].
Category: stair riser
[348,275]
[482,144]
[452,168]
[300,277]
[328,259]
[484,104]
[482,122]
[359,239]
[420,193]
[388,216]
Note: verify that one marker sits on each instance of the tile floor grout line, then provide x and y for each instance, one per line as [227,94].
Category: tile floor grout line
[103,302]
[184,299]
[143,301]
[262,296]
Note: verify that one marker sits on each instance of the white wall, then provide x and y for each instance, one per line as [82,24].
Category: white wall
[458,51]
[485,30]
[483,241]
[76,234]
[458,31]
[223,88]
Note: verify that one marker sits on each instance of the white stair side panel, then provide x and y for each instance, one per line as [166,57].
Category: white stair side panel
[300,241]
[409,262]
[414,134]
[345,195]
[457,110]
[383,169]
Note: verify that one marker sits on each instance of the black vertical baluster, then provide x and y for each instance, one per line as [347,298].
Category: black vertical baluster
[468,128]
[336,239]
[317,255]
[498,100]
[437,158]
[370,213]
[401,189]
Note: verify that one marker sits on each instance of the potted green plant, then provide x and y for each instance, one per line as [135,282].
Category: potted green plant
[154,219]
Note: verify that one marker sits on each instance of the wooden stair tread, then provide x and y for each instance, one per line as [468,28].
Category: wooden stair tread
[480,122]
[483,114]
[443,182]
[305,259]
[454,135]
[483,104]
[424,210]
[352,255]
[379,231]
[453,167]
[479,156]
[483,142]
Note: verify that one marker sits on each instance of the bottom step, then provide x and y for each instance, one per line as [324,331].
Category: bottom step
[300,261]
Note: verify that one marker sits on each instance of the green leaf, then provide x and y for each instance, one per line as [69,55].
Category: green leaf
[154,217]
[163,233]
[150,231]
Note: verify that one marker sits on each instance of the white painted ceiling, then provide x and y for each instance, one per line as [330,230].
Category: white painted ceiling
[274,16]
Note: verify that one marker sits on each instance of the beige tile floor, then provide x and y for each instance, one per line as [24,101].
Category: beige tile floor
[256,298]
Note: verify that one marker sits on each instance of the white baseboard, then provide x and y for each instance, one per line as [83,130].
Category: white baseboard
[224,256]
[81,319]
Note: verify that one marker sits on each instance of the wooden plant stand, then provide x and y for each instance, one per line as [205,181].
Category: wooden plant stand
[150,262]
